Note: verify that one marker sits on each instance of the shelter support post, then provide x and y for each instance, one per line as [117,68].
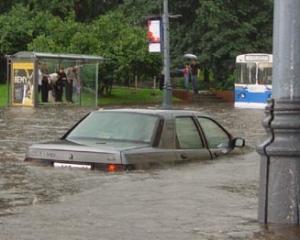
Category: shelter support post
[279,196]
[35,82]
[8,80]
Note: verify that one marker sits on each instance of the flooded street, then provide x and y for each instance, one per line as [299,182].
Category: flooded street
[201,200]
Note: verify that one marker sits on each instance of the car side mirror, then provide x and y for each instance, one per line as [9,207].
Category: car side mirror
[238,142]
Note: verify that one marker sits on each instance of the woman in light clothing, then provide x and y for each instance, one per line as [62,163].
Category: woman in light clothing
[72,83]
[187,76]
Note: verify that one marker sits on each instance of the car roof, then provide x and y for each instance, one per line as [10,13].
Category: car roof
[159,112]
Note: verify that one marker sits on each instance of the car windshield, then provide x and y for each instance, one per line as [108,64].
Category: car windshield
[119,126]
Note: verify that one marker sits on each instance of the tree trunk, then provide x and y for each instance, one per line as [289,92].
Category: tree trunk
[206,75]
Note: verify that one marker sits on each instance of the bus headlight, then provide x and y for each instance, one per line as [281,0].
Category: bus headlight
[242,95]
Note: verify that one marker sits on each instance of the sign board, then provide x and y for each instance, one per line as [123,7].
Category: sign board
[257,58]
[154,35]
[23,86]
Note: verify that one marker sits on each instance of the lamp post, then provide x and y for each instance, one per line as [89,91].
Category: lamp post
[279,196]
[167,93]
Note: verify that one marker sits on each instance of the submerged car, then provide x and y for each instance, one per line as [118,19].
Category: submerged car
[133,138]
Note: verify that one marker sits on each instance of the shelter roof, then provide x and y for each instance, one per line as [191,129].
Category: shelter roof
[58,56]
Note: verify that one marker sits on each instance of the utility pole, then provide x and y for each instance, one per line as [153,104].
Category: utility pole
[167,93]
[279,196]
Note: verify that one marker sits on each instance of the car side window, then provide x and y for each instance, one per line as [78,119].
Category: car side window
[215,135]
[187,133]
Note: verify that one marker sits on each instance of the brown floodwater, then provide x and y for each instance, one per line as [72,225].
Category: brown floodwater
[201,200]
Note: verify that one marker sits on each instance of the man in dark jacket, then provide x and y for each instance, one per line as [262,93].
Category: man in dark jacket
[59,85]
[194,73]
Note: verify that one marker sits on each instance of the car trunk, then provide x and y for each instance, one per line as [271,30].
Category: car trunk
[80,153]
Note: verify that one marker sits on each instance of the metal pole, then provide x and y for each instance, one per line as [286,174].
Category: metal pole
[167,94]
[279,196]
[97,77]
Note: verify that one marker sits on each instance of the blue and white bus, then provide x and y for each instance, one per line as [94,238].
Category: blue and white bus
[253,84]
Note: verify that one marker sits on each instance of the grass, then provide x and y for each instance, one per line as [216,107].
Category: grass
[3,95]
[131,96]
[120,96]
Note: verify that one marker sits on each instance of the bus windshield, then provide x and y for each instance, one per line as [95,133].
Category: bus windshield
[246,73]
[265,73]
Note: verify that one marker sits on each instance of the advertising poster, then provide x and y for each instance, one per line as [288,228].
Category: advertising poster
[154,35]
[22,78]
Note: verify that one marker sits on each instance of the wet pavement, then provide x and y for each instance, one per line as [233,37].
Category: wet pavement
[201,200]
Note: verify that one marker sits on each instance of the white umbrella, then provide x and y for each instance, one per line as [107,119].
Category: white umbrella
[190,56]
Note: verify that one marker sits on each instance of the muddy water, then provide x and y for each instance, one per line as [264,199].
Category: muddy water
[207,200]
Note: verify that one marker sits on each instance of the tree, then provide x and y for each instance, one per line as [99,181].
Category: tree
[219,30]
[250,31]
[88,10]
[216,31]
[125,45]
[16,30]
[55,35]
[110,36]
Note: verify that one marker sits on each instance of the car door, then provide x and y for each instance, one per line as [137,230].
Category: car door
[189,143]
[218,139]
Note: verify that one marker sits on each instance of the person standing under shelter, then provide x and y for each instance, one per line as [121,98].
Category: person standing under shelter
[71,77]
[194,73]
[62,78]
[45,86]
[40,78]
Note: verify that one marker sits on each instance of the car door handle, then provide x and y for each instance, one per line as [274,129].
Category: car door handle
[183,156]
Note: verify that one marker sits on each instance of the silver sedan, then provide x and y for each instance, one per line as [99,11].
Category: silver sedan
[135,138]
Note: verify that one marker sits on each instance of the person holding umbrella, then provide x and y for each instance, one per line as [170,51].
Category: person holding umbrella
[194,70]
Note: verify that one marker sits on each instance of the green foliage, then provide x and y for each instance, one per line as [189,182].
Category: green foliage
[15,29]
[55,7]
[246,21]
[87,10]
[137,11]
[125,45]
[216,31]
[56,34]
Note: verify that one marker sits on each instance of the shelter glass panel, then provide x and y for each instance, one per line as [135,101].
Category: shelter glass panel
[66,82]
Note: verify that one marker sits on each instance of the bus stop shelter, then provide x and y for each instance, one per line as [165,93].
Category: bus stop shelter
[27,69]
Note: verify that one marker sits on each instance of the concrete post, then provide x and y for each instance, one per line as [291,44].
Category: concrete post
[167,96]
[279,196]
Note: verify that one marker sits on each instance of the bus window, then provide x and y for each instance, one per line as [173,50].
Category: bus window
[246,73]
[265,73]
